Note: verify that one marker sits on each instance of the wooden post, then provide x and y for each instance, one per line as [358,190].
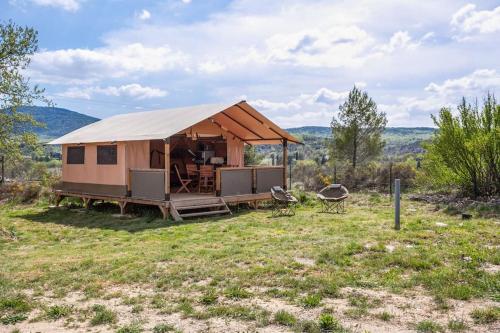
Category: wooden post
[129,183]
[397,203]
[285,161]
[167,169]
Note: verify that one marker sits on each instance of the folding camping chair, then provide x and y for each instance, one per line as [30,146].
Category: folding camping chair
[184,181]
[283,203]
[332,198]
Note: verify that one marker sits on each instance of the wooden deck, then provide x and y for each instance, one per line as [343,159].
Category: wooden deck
[164,205]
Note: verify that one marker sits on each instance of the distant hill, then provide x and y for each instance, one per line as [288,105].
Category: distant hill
[399,140]
[392,132]
[58,121]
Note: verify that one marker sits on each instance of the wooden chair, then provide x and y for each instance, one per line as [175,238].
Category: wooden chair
[192,173]
[184,181]
[207,178]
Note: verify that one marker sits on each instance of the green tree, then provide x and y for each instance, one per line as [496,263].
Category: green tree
[17,45]
[465,151]
[251,157]
[357,131]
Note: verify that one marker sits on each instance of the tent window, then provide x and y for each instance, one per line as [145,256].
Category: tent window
[106,155]
[76,155]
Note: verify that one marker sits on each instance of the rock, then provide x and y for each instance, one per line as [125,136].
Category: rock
[441,224]
[466,216]
[390,248]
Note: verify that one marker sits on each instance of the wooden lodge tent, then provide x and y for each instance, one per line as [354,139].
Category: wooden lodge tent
[123,158]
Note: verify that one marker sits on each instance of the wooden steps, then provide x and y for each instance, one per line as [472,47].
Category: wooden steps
[180,209]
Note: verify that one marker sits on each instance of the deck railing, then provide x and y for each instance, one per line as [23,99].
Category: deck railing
[147,184]
[248,180]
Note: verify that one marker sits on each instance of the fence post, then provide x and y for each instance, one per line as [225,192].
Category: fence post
[397,205]
[390,179]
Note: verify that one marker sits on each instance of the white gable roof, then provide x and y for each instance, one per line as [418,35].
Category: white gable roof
[147,125]
[238,118]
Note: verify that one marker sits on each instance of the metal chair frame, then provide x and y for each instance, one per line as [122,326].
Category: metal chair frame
[283,203]
[333,204]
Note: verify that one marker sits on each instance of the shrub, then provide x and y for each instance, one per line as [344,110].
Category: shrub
[285,318]
[464,151]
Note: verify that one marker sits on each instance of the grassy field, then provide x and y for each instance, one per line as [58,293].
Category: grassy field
[67,269]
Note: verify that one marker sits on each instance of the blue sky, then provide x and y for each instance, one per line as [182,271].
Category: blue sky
[293,60]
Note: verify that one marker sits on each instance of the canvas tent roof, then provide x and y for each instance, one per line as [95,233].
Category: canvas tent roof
[240,119]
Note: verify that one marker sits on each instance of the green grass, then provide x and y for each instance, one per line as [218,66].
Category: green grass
[311,301]
[55,312]
[285,318]
[428,326]
[131,328]
[457,325]
[241,257]
[102,315]
[164,328]
[487,315]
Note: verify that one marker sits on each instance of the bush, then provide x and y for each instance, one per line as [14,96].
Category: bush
[465,152]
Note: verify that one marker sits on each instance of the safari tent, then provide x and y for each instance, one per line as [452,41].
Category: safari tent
[188,161]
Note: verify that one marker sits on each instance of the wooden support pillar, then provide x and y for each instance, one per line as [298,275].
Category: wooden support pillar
[59,198]
[167,169]
[285,161]
[164,211]
[129,183]
[122,205]
[87,202]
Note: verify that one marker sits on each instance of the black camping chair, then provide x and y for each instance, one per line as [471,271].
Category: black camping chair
[332,198]
[284,203]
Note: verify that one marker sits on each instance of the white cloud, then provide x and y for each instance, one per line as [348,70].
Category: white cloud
[133,90]
[186,1]
[88,65]
[210,67]
[335,47]
[469,21]
[399,40]
[69,5]
[476,83]
[144,15]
